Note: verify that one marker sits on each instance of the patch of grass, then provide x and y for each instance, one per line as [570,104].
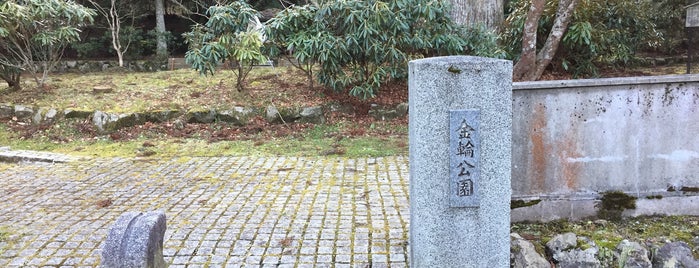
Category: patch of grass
[179,89]
[352,133]
[4,239]
[192,147]
[322,131]
[4,234]
[374,147]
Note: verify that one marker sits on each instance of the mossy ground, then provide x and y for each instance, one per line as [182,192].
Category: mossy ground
[179,89]
[4,238]
[185,89]
[383,139]
[354,135]
[608,234]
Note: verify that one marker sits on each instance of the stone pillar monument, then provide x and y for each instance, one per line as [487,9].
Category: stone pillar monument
[460,119]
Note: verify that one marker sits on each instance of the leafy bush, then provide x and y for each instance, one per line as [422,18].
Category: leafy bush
[601,32]
[226,37]
[480,41]
[33,35]
[669,18]
[361,44]
[294,30]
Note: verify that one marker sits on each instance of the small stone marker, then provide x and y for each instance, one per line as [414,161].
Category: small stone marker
[135,241]
[460,123]
[102,89]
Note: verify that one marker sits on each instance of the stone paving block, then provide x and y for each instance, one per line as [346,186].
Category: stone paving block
[270,260]
[181,260]
[253,259]
[332,210]
[35,262]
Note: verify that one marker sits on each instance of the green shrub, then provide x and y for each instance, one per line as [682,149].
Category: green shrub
[361,44]
[293,30]
[669,18]
[226,37]
[34,34]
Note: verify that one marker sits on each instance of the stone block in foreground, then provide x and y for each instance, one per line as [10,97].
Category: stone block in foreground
[135,241]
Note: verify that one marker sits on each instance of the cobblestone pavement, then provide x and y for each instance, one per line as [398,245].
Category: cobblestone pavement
[221,212]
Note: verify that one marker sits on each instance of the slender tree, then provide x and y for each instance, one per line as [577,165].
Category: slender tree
[111,14]
[161,49]
[532,63]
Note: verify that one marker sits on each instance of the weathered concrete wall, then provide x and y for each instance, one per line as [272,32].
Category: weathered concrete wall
[574,139]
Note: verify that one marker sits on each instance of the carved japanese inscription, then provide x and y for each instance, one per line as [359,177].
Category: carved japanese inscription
[464,158]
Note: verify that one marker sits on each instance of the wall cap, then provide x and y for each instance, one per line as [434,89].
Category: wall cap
[617,81]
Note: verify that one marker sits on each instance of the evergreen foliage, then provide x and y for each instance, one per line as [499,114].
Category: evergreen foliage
[359,45]
[33,35]
[601,33]
[228,36]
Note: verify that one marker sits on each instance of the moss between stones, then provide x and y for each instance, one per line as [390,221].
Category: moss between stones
[82,114]
[521,203]
[614,203]
[689,189]
[654,197]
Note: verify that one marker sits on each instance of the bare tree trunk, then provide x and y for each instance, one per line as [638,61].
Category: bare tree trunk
[161,50]
[12,77]
[14,84]
[531,64]
[471,12]
[115,28]
[114,23]
[527,59]
[563,16]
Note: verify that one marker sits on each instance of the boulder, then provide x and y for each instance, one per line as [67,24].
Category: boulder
[313,115]
[570,251]
[159,116]
[106,123]
[632,255]
[341,108]
[101,119]
[23,113]
[524,255]
[51,115]
[81,114]
[178,124]
[562,242]
[276,116]
[201,116]
[38,116]
[238,116]
[675,255]
[135,241]
[6,111]
[402,109]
